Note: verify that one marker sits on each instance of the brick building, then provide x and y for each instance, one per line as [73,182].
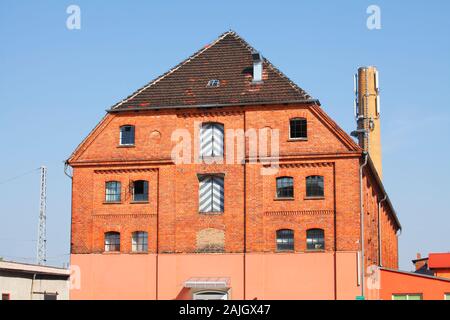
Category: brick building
[239,217]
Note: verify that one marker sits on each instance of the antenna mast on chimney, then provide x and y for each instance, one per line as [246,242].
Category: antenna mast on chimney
[367,114]
[42,236]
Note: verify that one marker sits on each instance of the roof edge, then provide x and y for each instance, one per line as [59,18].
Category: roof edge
[217,105]
[171,70]
[415,274]
[383,190]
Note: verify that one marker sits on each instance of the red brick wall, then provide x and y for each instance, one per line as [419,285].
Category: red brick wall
[173,199]
[389,241]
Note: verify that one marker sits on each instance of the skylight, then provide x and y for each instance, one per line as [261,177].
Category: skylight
[213,83]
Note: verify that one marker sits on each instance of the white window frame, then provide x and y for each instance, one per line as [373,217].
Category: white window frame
[134,135]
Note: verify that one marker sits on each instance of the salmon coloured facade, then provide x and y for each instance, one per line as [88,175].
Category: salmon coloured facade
[265,204]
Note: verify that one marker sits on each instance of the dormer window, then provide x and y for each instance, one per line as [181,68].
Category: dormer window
[213,83]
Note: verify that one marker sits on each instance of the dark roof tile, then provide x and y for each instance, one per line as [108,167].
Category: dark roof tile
[227,59]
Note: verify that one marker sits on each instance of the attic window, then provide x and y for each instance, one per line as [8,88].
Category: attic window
[213,83]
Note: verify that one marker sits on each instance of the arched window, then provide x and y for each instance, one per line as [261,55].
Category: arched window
[112,191]
[298,128]
[127,135]
[285,239]
[140,191]
[315,239]
[210,295]
[314,186]
[211,139]
[139,241]
[112,241]
[285,187]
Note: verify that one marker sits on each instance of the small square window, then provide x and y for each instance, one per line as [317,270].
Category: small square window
[140,191]
[285,240]
[127,135]
[112,241]
[315,239]
[298,129]
[6,296]
[139,241]
[285,187]
[112,191]
[314,186]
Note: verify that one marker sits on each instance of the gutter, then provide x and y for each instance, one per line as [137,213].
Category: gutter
[216,105]
[361,203]
[380,250]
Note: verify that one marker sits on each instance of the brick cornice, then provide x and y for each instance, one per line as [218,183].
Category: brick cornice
[121,163]
[200,114]
[305,165]
[300,213]
[112,171]
[124,215]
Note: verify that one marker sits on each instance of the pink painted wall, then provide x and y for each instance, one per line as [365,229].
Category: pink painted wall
[308,276]
[114,276]
[175,269]
[268,276]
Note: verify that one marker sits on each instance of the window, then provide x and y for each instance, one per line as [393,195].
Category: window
[447,296]
[112,241]
[6,296]
[211,140]
[139,241]
[285,240]
[314,186]
[285,187]
[298,129]
[140,191]
[127,135]
[315,239]
[112,191]
[413,296]
[213,83]
[211,194]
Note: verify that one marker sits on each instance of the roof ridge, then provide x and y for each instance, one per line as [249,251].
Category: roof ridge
[173,69]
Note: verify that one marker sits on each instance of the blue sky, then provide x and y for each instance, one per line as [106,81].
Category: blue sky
[55,85]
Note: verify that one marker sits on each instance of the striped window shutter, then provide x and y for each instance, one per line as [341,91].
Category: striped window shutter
[211,194]
[211,140]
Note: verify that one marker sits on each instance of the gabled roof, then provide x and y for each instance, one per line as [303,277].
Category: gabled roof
[229,60]
[439,260]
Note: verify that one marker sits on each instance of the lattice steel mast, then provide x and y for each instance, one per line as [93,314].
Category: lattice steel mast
[42,237]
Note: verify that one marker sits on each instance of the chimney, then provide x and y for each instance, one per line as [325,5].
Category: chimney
[420,264]
[367,114]
[257,67]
